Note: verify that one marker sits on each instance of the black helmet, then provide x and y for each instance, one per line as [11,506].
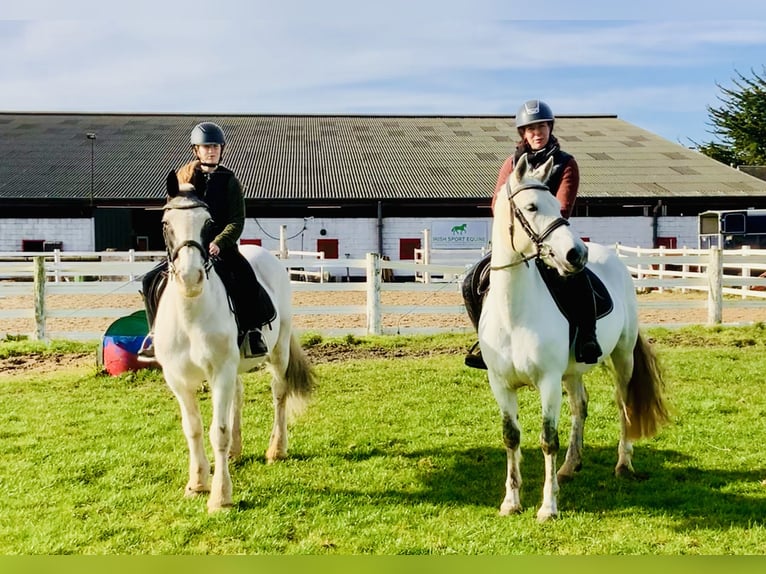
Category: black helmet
[207,133]
[534,112]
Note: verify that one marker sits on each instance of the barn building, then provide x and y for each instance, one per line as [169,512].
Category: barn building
[345,185]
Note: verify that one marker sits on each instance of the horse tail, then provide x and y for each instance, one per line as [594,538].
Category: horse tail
[645,404]
[300,377]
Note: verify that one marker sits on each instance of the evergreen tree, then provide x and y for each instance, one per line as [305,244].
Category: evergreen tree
[739,123]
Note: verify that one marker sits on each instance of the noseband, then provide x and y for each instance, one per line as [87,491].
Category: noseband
[541,249]
[172,251]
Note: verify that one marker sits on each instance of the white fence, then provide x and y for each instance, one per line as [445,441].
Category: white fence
[113,273]
[714,271]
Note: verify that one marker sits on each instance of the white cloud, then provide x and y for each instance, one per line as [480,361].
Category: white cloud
[373,62]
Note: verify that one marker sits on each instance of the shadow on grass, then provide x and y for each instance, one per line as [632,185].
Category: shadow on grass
[691,496]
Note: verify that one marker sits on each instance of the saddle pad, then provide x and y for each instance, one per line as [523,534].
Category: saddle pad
[566,299]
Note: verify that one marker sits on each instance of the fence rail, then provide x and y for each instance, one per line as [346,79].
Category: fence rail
[42,275]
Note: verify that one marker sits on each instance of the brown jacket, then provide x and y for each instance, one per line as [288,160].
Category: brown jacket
[567,189]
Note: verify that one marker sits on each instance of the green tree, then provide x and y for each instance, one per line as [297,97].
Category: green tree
[739,123]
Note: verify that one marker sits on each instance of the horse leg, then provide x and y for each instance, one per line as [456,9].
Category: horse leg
[191,421]
[550,397]
[578,407]
[236,421]
[223,392]
[278,442]
[623,368]
[509,410]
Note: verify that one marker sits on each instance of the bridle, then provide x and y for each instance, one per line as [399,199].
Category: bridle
[541,250]
[172,251]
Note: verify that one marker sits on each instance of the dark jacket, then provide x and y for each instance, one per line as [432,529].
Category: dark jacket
[222,192]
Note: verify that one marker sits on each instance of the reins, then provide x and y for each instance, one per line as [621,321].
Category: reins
[541,250]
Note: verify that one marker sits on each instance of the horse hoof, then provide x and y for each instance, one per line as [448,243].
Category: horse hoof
[272,457]
[623,471]
[193,491]
[562,477]
[546,516]
[215,508]
[510,509]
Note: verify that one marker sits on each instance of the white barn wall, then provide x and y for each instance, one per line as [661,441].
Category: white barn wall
[76,234]
[636,231]
[359,236]
[683,228]
[355,236]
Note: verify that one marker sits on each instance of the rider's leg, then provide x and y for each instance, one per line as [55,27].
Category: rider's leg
[150,297]
[587,349]
[474,287]
[243,288]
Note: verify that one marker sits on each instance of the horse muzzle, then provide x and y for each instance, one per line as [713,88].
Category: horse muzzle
[573,262]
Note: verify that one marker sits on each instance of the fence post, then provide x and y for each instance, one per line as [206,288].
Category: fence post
[132,259]
[715,283]
[57,261]
[745,270]
[373,295]
[283,242]
[426,254]
[39,287]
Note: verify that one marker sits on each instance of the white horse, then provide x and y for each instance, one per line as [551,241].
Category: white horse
[524,337]
[195,340]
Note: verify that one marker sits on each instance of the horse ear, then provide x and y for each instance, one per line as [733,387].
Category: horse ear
[521,167]
[547,169]
[171,184]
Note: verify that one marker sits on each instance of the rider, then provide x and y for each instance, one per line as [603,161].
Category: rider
[534,122]
[217,186]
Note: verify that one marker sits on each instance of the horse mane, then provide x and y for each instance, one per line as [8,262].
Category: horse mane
[182,194]
[185,173]
[187,199]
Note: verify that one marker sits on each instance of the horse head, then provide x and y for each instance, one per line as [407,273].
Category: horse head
[532,216]
[186,225]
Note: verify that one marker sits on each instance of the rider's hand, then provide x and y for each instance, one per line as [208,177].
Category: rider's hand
[214,249]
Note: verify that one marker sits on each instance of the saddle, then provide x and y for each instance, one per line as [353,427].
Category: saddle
[570,294]
[252,306]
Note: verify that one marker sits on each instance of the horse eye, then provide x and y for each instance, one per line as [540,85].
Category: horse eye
[532,207]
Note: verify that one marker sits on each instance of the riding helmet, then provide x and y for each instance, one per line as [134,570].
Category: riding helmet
[207,133]
[533,112]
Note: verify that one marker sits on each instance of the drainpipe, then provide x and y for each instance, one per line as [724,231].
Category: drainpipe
[380,228]
[655,222]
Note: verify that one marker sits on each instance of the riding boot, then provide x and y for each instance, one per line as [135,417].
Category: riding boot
[256,346]
[474,287]
[587,350]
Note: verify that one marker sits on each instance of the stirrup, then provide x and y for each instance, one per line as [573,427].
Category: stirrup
[146,352]
[253,344]
[474,359]
[588,352]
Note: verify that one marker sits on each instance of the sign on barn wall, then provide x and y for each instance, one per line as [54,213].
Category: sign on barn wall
[457,234]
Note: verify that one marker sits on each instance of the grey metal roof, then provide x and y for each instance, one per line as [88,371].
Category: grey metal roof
[318,157]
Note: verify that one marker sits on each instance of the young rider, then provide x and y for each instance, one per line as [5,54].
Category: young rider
[217,186]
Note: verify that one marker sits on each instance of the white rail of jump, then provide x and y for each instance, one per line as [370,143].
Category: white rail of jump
[716,272]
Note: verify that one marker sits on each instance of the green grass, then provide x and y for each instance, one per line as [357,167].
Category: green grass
[394,456]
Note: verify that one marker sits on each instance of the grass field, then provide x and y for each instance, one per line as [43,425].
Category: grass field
[399,453]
